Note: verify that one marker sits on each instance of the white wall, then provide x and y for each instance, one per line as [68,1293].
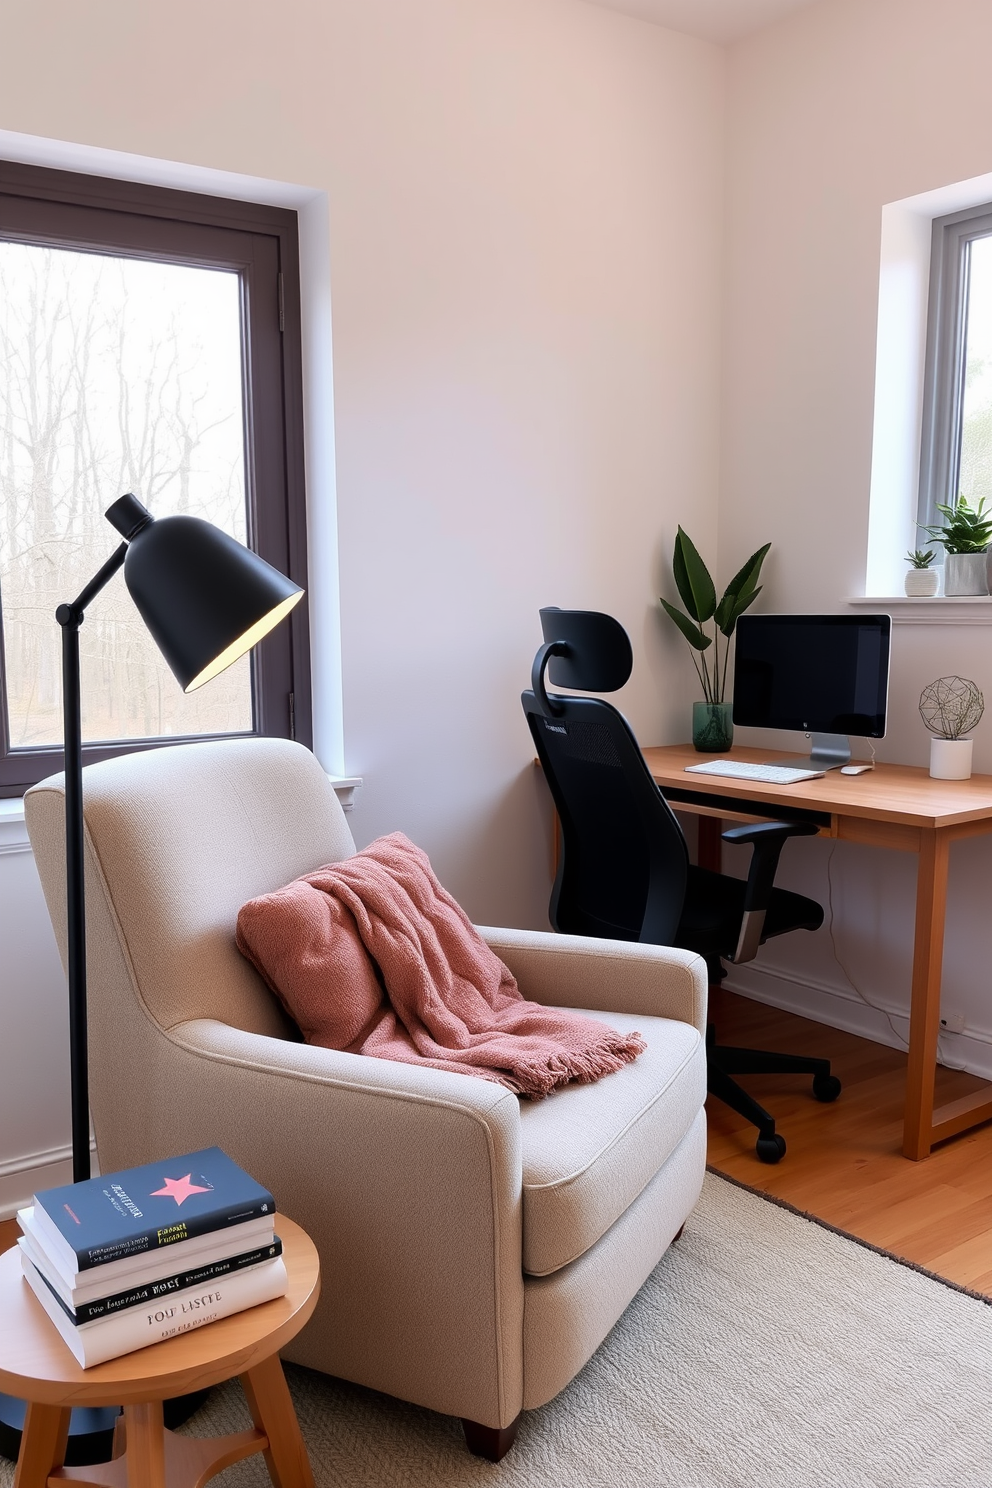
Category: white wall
[849,106]
[34,1030]
[525,202]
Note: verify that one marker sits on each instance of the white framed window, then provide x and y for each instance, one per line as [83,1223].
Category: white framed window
[151,340]
[956,432]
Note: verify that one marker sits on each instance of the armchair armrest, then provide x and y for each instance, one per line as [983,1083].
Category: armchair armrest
[407,1178]
[767,840]
[604,975]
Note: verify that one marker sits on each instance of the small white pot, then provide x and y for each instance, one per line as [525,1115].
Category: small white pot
[950,759]
[922,581]
[966,573]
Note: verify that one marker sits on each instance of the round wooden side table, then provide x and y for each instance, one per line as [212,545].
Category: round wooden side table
[36,1366]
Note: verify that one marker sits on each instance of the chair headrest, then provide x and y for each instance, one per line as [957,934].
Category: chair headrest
[597,655]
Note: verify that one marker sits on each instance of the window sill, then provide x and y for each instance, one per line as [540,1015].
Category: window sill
[938,609]
[346,786]
[13,832]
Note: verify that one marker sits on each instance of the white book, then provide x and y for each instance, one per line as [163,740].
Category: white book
[108,1338]
[148,1265]
[88,1310]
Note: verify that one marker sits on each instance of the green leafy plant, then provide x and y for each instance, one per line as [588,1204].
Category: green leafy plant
[920,559]
[698,593]
[966,529]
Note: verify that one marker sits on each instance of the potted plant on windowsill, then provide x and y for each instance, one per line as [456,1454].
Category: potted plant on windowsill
[921,579]
[965,537]
[712,723]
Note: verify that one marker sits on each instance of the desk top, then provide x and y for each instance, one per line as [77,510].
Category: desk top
[905,794]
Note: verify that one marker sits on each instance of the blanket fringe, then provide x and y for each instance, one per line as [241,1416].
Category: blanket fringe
[538,1077]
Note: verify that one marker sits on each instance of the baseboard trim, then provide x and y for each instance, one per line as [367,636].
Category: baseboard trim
[840,1007]
[20,1177]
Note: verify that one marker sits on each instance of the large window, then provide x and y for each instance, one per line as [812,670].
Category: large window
[149,342]
[957,413]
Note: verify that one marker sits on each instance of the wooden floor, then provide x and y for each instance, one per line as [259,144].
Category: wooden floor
[844,1162]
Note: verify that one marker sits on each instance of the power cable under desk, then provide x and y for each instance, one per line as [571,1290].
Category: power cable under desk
[901,1042]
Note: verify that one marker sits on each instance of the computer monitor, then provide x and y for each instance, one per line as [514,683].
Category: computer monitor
[825,675]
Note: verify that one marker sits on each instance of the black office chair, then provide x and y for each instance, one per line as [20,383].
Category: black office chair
[624,869]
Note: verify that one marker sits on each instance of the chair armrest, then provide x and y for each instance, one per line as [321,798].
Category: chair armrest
[767,840]
[407,1178]
[756,831]
[604,975]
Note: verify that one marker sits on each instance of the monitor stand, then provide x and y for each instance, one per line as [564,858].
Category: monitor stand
[828,752]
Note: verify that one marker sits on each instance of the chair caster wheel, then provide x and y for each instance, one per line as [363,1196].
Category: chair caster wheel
[826,1088]
[770,1149]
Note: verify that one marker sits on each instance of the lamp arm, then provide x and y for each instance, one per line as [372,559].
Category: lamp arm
[70,618]
[99,580]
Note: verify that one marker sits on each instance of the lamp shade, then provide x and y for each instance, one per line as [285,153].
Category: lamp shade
[205,598]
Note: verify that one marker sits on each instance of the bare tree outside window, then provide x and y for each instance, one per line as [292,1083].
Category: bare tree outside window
[119,375]
[150,341]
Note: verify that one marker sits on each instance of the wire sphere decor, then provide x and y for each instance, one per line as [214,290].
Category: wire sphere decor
[951,707]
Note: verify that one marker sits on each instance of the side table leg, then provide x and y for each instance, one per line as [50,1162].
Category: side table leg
[924,1010]
[46,1431]
[145,1455]
[120,1438]
[272,1412]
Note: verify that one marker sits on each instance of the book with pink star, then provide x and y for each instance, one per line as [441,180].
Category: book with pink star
[129,1258]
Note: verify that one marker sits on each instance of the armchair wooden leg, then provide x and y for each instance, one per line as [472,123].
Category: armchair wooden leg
[678,1235]
[491,1442]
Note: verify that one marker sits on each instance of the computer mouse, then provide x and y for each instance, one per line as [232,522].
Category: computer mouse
[854,769]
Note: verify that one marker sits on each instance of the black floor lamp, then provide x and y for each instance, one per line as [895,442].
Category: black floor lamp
[206,600]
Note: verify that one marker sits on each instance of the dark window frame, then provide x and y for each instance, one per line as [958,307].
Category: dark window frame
[260,242]
[944,367]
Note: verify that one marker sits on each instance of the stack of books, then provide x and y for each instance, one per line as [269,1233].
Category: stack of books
[127,1259]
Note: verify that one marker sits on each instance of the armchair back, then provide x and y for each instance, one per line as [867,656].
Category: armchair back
[248,816]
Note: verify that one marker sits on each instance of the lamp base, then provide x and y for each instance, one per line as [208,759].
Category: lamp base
[91,1428]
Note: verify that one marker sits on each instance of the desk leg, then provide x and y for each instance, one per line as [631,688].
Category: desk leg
[709,853]
[924,1014]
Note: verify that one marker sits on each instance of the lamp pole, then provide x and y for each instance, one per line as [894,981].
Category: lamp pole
[70,618]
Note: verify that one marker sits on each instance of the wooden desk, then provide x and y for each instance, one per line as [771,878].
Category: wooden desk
[894,806]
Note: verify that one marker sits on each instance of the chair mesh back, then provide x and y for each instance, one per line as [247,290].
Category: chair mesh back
[623,866]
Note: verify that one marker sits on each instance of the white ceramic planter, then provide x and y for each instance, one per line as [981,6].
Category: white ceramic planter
[966,573]
[950,759]
[922,581]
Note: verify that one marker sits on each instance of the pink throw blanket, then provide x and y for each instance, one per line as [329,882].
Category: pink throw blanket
[444,998]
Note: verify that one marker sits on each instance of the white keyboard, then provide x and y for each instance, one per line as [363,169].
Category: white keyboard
[766,774]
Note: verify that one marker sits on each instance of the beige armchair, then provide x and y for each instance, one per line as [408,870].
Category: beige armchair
[475,1248]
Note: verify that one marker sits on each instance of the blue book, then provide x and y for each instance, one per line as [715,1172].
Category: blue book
[144,1209]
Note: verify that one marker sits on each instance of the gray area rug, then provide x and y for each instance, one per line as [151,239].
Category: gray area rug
[764,1352]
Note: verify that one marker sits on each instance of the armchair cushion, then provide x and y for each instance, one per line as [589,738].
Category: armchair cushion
[589,1150]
